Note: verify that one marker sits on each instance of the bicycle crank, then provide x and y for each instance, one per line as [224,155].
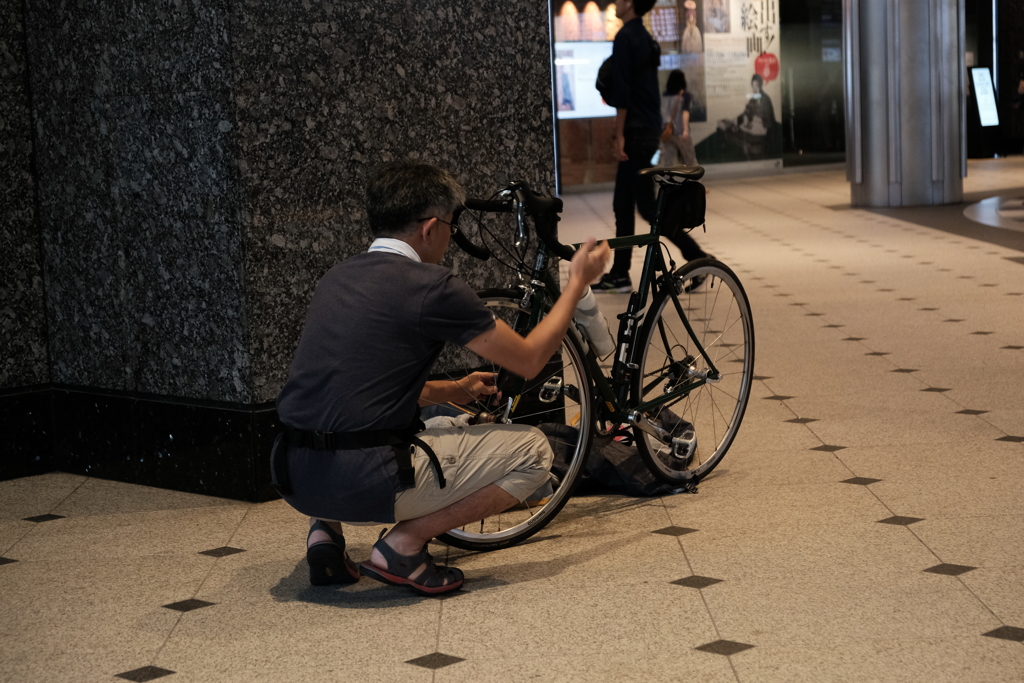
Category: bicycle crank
[682,438]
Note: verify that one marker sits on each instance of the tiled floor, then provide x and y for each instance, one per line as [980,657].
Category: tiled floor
[868,524]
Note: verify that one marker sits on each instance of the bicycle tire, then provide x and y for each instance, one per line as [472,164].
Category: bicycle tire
[522,521]
[719,314]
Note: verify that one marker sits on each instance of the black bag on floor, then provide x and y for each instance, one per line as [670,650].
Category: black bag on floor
[612,466]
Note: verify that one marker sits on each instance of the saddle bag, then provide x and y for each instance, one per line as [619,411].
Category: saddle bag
[682,207]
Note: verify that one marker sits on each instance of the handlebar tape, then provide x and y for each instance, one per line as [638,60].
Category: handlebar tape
[481,253]
[545,212]
[460,238]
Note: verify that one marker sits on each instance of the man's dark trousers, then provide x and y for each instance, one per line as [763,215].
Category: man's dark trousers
[636,193]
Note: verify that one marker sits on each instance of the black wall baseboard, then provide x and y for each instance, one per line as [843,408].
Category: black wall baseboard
[200,447]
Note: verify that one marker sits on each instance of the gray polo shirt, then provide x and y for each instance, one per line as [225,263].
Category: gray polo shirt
[375,326]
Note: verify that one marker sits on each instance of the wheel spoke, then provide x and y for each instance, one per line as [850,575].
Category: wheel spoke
[721,325]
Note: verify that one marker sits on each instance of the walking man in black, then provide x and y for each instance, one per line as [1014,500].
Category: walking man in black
[637,99]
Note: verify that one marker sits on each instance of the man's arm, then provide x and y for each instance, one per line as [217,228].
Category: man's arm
[474,387]
[619,151]
[527,356]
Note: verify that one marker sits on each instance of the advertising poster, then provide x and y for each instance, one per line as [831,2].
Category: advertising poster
[728,51]
[741,81]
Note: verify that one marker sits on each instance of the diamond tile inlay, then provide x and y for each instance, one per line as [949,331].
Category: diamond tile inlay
[6,560]
[935,390]
[833,326]
[777,397]
[904,370]
[854,338]
[674,531]
[436,660]
[949,569]
[189,605]
[860,481]
[879,353]
[146,673]
[953,320]
[223,551]
[900,521]
[762,377]
[828,449]
[1012,348]
[43,518]
[1007,633]
[982,332]
[968,411]
[802,420]
[697,581]
[928,309]
[724,647]
[1011,439]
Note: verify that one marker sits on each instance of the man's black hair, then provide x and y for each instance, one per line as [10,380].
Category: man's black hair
[676,82]
[760,81]
[402,191]
[642,7]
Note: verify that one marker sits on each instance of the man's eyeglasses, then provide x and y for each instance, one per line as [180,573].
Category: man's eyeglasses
[454,225]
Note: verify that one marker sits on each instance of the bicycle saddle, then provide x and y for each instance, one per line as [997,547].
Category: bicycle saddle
[675,173]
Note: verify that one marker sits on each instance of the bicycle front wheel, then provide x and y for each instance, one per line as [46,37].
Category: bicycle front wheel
[558,402]
[712,299]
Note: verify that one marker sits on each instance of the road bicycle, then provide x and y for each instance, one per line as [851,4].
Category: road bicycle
[680,374]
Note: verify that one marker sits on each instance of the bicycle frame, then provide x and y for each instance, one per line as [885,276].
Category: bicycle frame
[615,393]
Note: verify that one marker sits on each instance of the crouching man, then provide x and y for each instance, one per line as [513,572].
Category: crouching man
[354,449]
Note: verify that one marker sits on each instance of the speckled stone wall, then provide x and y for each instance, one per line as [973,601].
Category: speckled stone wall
[327,90]
[138,198]
[204,165]
[23,357]
[24,368]
[200,165]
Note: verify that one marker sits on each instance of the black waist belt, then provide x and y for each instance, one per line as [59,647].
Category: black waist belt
[400,441]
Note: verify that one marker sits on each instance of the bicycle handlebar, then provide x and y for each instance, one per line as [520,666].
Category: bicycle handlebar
[543,210]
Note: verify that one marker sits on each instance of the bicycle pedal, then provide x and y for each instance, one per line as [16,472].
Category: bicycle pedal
[684,446]
[550,391]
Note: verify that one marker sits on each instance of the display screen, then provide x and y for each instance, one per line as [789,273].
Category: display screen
[576,66]
[985,97]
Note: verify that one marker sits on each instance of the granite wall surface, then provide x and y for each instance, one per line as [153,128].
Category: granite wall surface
[327,90]
[23,357]
[200,165]
[137,197]
[25,414]
[204,165]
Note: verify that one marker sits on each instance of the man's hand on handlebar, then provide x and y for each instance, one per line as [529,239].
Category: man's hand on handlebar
[590,261]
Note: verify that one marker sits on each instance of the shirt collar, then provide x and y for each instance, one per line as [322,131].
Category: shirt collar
[396,247]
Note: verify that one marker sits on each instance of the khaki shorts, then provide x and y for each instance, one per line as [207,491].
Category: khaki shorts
[515,457]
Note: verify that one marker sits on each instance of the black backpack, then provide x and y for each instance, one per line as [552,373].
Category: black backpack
[604,79]
[612,466]
[604,74]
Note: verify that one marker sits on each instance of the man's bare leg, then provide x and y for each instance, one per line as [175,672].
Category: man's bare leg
[408,537]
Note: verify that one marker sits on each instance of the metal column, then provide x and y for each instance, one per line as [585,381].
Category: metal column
[904,97]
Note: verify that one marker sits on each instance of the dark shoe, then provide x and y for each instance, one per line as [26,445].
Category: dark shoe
[694,283]
[431,580]
[328,561]
[613,283]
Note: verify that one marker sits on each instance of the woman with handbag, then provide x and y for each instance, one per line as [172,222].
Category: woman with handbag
[676,142]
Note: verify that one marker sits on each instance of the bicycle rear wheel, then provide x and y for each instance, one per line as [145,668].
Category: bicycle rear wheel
[559,402]
[719,314]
